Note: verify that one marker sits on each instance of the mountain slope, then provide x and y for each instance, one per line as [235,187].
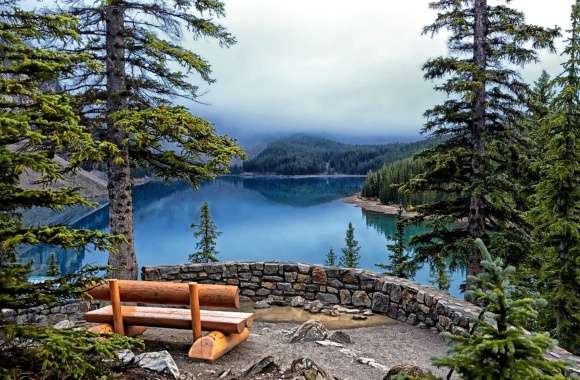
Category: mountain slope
[302,154]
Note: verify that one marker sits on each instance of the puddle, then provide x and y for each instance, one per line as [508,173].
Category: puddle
[289,314]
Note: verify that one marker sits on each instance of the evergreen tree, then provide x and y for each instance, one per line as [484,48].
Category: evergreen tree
[128,101]
[477,125]
[401,264]
[36,123]
[331,258]
[498,347]
[350,253]
[207,234]
[52,266]
[556,215]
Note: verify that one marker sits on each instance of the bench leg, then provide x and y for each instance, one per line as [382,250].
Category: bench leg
[212,346]
[107,328]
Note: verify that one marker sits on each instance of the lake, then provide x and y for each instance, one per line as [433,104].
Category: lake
[260,218]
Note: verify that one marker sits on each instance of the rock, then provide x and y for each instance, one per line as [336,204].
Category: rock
[261,305]
[318,276]
[316,306]
[405,369]
[309,331]
[297,301]
[345,297]
[326,311]
[64,324]
[308,370]
[373,363]
[327,298]
[359,317]
[126,356]
[368,313]
[361,298]
[349,353]
[160,361]
[380,302]
[340,337]
[265,365]
[329,343]
[350,311]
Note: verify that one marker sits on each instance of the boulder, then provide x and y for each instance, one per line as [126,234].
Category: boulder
[160,361]
[340,337]
[297,301]
[309,331]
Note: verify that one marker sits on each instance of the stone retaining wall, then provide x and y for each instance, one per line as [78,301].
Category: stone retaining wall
[398,298]
[73,311]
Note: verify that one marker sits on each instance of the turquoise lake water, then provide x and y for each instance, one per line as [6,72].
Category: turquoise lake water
[261,218]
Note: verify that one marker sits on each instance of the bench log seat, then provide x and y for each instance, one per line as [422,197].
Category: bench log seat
[226,328]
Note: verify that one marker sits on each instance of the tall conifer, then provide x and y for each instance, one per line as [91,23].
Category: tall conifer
[556,215]
[477,121]
[36,123]
[129,101]
[207,234]
[401,263]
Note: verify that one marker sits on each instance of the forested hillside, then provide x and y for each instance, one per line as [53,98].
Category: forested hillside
[303,154]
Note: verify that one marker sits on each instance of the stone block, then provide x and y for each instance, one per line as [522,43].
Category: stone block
[380,303]
[327,298]
[345,297]
[318,275]
[291,276]
[360,298]
[270,268]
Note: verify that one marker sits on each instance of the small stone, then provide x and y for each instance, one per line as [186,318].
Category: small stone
[262,305]
[326,311]
[297,301]
[160,361]
[368,313]
[372,363]
[340,337]
[309,331]
[64,324]
[405,370]
[305,368]
[329,343]
[359,317]
[126,356]
[316,306]
[361,298]
[265,365]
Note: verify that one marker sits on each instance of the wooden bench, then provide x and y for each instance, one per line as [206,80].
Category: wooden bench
[227,328]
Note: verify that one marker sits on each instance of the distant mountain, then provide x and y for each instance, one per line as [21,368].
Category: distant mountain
[304,154]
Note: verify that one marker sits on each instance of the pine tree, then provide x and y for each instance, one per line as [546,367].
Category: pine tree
[477,124]
[498,347]
[53,270]
[207,234]
[37,123]
[556,215]
[331,258]
[128,101]
[401,264]
[350,253]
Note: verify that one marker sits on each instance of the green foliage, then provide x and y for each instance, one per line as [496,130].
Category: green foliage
[303,154]
[556,211]
[350,253]
[37,122]
[472,165]
[53,270]
[207,234]
[498,347]
[384,183]
[401,264]
[330,258]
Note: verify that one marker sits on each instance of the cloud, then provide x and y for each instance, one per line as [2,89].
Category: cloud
[335,66]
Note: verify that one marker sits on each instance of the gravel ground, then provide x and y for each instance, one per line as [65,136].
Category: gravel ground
[388,344]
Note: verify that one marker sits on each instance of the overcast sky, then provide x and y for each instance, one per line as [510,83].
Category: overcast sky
[336,66]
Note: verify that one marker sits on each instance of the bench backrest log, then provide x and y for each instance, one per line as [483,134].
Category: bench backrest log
[169,293]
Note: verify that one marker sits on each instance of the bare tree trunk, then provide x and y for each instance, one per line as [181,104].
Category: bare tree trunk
[476,219]
[124,262]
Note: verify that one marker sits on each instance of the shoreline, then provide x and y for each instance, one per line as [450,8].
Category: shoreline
[266,175]
[374,205]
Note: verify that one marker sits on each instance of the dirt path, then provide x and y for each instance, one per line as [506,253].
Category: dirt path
[388,344]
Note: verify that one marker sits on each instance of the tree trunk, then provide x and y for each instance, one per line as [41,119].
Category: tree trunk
[124,262]
[476,219]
